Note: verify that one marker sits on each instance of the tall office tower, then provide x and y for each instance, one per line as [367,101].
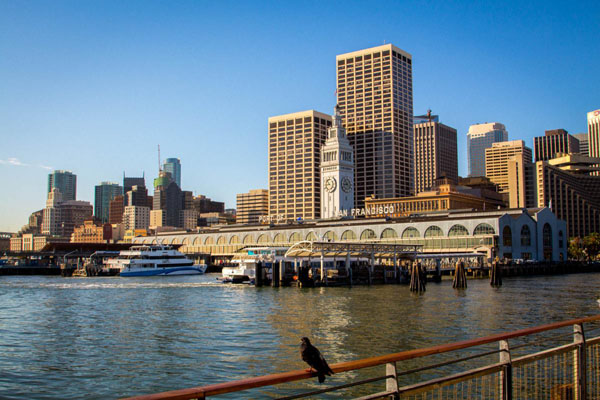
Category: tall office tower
[521,183]
[130,182]
[136,217]
[337,171]
[593,120]
[115,210]
[173,166]
[584,145]
[375,95]
[104,193]
[65,181]
[497,157]
[51,213]
[167,197]
[479,138]
[203,204]
[294,157]
[251,206]
[553,143]
[138,196]
[435,152]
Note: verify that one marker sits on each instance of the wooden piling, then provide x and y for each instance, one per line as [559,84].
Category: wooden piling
[460,278]
[258,274]
[275,275]
[496,274]
[418,278]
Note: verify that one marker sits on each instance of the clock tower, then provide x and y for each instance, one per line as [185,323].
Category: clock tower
[337,171]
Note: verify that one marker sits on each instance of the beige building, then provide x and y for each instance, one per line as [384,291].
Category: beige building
[294,159]
[497,157]
[158,218]
[521,183]
[136,217]
[593,122]
[91,232]
[33,242]
[188,219]
[374,93]
[435,154]
[567,186]
[251,206]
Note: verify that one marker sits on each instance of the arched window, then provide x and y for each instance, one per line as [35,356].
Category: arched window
[330,236]
[234,239]
[507,236]
[279,238]
[525,236]
[209,240]
[348,235]
[410,232]
[295,237]
[547,235]
[197,241]
[311,236]
[221,240]
[458,230]
[560,240]
[264,238]
[434,231]
[174,241]
[389,233]
[248,239]
[186,241]
[154,241]
[367,234]
[484,229]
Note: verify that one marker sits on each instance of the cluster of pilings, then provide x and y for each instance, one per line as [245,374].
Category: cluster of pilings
[418,277]
[460,277]
[496,273]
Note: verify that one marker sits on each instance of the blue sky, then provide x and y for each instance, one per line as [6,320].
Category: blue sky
[94,87]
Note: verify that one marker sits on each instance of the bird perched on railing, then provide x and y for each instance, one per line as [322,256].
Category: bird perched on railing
[313,357]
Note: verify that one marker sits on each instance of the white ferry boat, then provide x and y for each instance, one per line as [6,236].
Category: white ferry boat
[154,260]
[243,268]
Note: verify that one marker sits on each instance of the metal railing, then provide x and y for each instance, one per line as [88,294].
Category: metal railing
[522,364]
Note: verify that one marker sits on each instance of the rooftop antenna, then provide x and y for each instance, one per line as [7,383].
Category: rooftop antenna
[159,158]
[429,114]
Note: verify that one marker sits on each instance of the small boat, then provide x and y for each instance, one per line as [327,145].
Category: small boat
[154,260]
[242,270]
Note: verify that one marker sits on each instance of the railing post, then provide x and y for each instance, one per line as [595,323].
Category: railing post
[391,383]
[580,367]
[506,375]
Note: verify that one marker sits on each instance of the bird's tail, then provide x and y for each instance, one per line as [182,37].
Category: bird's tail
[321,377]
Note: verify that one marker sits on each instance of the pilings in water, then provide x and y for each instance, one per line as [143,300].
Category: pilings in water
[418,278]
[496,274]
[460,277]
[258,274]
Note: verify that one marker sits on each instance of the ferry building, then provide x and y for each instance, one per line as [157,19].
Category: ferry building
[526,234]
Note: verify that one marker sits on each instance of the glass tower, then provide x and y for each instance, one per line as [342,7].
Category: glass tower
[173,166]
[104,193]
[479,138]
[65,182]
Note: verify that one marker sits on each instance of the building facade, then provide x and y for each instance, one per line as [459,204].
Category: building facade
[92,232]
[252,207]
[295,142]
[168,197]
[553,143]
[436,155]
[479,138]
[584,146]
[103,194]
[173,166]
[136,217]
[593,123]
[375,95]
[130,181]
[115,210]
[337,170]
[65,181]
[497,157]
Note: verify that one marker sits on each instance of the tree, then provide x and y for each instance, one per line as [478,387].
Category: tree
[576,249]
[591,244]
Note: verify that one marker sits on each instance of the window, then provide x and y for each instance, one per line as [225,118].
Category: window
[348,235]
[484,229]
[507,236]
[330,236]
[525,236]
[389,233]
[434,231]
[458,230]
[367,234]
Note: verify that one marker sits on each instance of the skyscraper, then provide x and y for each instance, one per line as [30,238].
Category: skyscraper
[374,92]
[173,166]
[294,157]
[497,158]
[104,193]
[553,143]
[168,198]
[130,182]
[435,153]
[584,144]
[593,121]
[252,206]
[479,138]
[65,182]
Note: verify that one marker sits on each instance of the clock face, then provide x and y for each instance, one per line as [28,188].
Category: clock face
[330,184]
[346,184]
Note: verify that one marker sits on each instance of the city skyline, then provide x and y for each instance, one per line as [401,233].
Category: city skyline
[94,89]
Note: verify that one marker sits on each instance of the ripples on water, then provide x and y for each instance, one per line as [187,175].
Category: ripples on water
[112,337]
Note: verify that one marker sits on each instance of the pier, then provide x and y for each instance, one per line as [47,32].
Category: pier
[554,361]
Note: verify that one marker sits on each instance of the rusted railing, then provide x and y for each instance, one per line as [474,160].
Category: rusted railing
[560,366]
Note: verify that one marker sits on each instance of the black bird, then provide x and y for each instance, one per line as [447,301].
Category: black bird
[313,357]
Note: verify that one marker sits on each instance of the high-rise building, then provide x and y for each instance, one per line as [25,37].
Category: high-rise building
[251,206]
[337,171]
[203,204]
[593,122]
[553,143]
[65,181]
[61,217]
[138,196]
[136,217]
[497,157]
[51,213]
[167,197]
[375,95]
[115,210]
[294,157]
[479,138]
[173,166]
[435,151]
[130,182]
[567,186]
[584,144]
[104,193]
